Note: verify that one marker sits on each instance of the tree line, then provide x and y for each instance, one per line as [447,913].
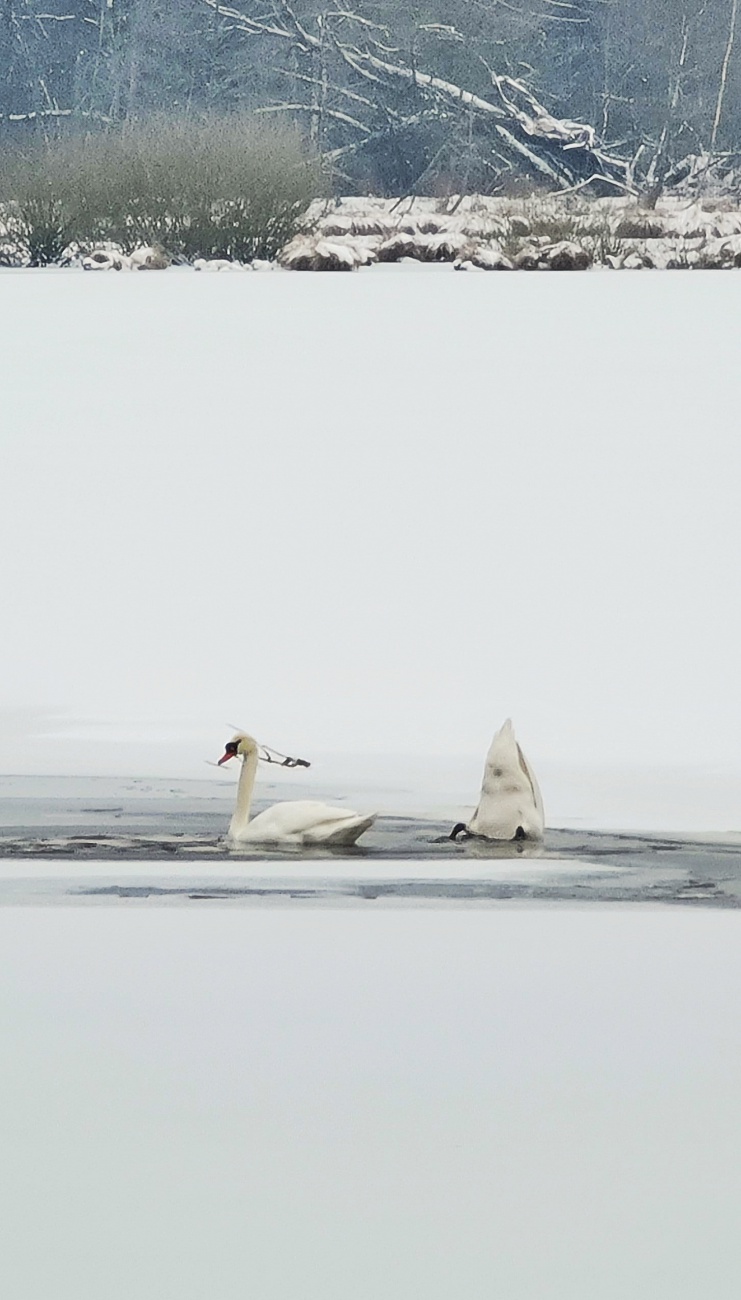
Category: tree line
[398,95]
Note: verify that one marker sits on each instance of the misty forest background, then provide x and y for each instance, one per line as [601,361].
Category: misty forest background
[398,97]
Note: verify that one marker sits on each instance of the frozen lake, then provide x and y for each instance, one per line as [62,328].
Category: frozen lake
[377,515]
[329,1104]
[370,515]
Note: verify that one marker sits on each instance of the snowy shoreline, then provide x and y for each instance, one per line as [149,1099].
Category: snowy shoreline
[468,233]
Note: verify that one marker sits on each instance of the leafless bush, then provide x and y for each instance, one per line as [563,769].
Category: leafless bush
[229,187]
[38,216]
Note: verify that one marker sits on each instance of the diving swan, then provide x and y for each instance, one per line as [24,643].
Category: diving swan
[303,822]
[510,804]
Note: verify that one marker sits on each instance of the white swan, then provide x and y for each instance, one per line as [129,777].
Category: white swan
[510,804]
[302,822]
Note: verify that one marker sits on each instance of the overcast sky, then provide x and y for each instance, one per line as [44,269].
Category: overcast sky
[370,513]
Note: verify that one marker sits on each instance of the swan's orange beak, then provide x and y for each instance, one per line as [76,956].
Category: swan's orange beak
[225,758]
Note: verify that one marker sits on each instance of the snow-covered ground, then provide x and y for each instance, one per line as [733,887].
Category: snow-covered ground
[499,234]
[473,232]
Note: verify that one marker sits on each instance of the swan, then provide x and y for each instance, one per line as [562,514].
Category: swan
[302,822]
[510,804]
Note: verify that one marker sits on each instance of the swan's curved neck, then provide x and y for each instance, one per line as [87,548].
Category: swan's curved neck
[244,794]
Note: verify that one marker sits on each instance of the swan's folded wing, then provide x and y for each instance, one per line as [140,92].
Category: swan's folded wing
[346,831]
[300,817]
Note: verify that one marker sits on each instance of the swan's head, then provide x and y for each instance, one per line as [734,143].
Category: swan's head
[240,746]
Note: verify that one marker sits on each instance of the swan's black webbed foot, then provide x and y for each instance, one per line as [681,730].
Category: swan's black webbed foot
[458,829]
[519,834]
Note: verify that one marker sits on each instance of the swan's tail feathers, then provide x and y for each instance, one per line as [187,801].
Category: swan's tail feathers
[347,832]
[510,804]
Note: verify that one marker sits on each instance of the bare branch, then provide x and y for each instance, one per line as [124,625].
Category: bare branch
[251,25]
[317,110]
[424,79]
[315,81]
[53,112]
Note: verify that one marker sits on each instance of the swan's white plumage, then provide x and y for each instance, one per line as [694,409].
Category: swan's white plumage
[510,797]
[303,821]
[306,821]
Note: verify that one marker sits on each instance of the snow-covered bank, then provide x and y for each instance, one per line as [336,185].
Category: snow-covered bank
[473,232]
[550,232]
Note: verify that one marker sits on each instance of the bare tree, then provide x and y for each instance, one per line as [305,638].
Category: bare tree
[399,95]
[724,74]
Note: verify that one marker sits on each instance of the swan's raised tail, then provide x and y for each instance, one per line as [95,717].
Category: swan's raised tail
[510,805]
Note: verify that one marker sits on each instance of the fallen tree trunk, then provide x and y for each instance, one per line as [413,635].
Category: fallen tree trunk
[349,54]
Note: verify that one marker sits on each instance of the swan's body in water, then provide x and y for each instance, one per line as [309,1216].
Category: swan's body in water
[304,821]
[510,804]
